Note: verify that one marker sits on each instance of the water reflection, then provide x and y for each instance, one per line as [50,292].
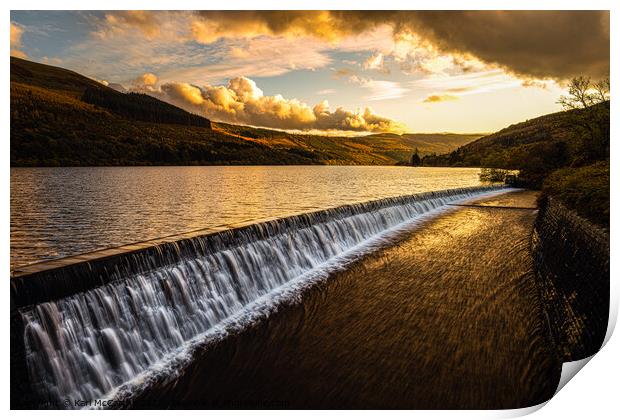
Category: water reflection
[57,212]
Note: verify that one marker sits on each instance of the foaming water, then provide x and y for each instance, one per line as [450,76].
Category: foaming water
[87,345]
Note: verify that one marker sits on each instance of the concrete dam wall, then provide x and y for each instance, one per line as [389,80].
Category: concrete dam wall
[83,327]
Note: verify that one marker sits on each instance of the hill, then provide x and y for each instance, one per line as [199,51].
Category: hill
[500,147]
[61,118]
[566,154]
[537,145]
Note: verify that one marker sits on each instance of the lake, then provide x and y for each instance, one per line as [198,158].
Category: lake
[58,212]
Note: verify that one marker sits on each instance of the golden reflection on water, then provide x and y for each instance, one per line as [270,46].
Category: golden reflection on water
[58,212]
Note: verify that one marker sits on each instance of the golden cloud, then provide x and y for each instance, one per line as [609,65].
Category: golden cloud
[557,44]
[16,41]
[531,44]
[375,62]
[145,21]
[147,79]
[440,98]
[344,72]
[210,26]
[241,101]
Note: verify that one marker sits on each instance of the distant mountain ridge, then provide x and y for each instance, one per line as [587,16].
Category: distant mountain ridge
[61,118]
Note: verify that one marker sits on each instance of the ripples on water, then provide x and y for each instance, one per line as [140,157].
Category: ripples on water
[57,212]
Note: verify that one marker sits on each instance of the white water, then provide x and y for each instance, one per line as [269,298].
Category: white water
[87,345]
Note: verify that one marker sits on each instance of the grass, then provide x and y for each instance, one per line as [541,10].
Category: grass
[584,190]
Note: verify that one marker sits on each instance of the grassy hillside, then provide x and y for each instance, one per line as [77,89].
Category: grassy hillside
[565,154]
[60,118]
[503,146]
[553,138]
[585,189]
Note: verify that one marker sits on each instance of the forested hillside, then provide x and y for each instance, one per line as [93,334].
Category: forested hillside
[60,118]
[141,107]
[566,154]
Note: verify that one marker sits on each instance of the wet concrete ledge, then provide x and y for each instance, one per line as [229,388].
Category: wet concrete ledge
[212,379]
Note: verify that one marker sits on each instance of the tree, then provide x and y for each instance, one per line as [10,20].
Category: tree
[589,105]
[415,158]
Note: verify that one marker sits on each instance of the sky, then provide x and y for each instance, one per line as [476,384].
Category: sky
[331,71]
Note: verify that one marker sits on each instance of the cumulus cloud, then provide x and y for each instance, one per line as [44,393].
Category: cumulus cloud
[344,73]
[117,86]
[147,79]
[145,83]
[241,101]
[540,84]
[16,41]
[103,82]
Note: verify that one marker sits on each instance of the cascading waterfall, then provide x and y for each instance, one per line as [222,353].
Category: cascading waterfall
[87,344]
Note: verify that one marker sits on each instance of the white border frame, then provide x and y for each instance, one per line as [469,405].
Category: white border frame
[592,394]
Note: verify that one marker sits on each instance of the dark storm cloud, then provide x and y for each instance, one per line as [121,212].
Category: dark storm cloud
[557,44]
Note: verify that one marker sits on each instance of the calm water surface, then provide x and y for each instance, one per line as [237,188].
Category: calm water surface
[57,212]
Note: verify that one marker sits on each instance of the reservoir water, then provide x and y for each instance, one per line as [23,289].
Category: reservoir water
[57,212]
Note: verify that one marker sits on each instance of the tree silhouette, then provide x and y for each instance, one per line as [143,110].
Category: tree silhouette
[415,158]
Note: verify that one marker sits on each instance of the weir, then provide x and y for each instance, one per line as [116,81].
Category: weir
[80,331]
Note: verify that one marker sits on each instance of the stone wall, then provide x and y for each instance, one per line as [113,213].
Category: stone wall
[571,257]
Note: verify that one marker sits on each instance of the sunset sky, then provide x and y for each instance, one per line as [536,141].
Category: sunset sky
[313,70]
